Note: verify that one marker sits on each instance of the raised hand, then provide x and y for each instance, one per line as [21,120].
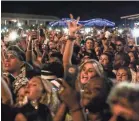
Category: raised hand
[68,95]
[73,25]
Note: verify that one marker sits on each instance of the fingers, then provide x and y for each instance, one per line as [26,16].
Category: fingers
[71,16]
[78,18]
[63,83]
[79,27]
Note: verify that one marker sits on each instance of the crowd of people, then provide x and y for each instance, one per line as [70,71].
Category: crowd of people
[55,76]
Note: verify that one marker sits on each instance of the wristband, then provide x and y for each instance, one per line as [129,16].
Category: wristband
[77,109]
[71,38]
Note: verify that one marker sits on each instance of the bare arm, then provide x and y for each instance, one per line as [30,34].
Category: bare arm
[6,93]
[29,52]
[70,98]
[68,53]
[60,113]
[73,28]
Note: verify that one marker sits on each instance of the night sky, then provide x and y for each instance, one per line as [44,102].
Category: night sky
[85,9]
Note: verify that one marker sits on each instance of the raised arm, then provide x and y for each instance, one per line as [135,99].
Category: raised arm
[72,101]
[29,52]
[73,28]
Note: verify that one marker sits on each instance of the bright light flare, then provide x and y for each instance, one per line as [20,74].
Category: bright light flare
[19,24]
[57,30]
[135,32]
[13,36]
[24,35]
[98,32]
[120,31]
[50,29]
[66,30]
[87,30]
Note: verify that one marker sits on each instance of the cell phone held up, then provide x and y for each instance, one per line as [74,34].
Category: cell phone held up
[56,84]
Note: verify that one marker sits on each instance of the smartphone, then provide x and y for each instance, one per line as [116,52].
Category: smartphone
[41,32]
[56,84]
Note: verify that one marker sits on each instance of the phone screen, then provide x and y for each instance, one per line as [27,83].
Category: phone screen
[56,85]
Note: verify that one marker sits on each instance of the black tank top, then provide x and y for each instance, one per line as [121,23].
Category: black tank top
[40,114]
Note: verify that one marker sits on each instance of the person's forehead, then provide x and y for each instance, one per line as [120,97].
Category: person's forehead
[35,80]
[118,56]
[121,70]
[104,56]
[9,54]
[118,42]
[89,41]
[88,64]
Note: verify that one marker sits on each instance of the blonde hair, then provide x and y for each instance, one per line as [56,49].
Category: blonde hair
[97,66]
[49,96]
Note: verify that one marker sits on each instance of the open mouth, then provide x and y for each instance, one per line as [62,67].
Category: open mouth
[7,65]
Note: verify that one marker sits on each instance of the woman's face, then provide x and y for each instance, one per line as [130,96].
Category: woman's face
[132,57]
[93,90]
[51,45]
[121,75]
[21,95]
[34,89]
[97,50]
[89,44]
[87,73]
[104,60]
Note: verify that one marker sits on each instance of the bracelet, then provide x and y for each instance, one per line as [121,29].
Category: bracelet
[71,38]
[77,109]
